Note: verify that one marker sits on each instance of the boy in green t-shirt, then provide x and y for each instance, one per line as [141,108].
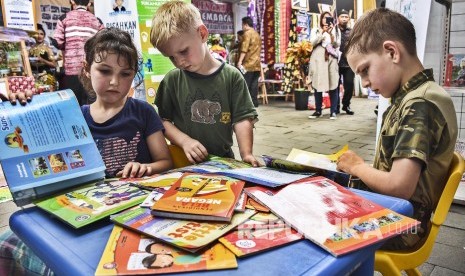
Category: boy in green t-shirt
[419,129]
[203,100]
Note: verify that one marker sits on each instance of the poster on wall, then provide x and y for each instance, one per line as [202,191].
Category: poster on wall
[49,12]
[218,17]
[122,14]
[303,26]
[19,14]
[156,65]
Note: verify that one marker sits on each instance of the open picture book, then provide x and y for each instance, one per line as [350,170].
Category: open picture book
[47,146]
[330,215]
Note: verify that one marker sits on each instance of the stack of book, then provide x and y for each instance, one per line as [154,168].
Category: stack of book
[199,217]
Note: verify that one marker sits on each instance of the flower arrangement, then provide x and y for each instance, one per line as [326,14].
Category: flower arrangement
[297,56]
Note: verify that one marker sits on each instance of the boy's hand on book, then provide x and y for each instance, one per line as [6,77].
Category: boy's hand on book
[135,169]
[22,97]
[194,151]
[348,161]
[251,160]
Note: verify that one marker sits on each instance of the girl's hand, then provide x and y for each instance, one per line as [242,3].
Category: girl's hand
[23,97]
[251,160]
[194,150]
[135,169]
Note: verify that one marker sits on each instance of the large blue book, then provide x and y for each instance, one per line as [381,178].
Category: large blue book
[47,146]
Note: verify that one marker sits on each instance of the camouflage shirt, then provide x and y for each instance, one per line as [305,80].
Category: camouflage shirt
[420,123]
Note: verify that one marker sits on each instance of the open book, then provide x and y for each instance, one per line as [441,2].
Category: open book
[332,216]
[47,146]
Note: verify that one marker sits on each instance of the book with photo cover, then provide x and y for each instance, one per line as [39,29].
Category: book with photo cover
[332,216]
[85,204]
[186,234]
[200,197]
[455,70]
[261,232]
[47,146]
[130,253]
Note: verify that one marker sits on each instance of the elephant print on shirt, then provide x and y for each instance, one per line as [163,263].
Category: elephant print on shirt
[204,111]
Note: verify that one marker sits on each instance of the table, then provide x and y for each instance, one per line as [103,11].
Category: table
[69,251]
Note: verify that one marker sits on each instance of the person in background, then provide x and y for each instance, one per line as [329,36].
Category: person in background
[234,53]
[346,75]
[203,100]
[45,64]
[218,51]
[323,70]
[118,6]
[419,129]
[249,57]
[72,31]
[114,119]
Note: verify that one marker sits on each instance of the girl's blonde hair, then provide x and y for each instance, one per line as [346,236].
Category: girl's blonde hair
[172,19]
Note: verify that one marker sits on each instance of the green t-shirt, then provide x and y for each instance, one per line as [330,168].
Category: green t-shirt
[206,107]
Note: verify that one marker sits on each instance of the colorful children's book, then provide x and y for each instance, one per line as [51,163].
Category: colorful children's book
[89,203]
[200,197]
[188,235]
[262,231]
[327,170]
[455,70]
[130,253]
[155,181]
[332,216]
[47,146]
[240,170]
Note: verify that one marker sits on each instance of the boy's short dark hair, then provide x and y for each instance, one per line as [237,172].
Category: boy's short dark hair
[81,2]
[379,25]
[248,21]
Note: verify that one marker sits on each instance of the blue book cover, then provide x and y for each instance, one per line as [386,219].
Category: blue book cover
[47,146]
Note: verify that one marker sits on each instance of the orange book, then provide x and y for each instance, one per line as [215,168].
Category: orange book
[200,197]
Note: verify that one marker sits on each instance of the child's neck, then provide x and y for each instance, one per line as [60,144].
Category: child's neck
[210,65]
[102,112]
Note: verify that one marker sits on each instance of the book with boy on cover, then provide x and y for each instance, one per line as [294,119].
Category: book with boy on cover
[262,231]
[332,216]
[130,253]
[47,146]
[264,176]
[86,204]
[200,197]
[186,234]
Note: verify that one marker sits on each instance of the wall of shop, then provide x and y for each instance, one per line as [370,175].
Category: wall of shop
[457,28]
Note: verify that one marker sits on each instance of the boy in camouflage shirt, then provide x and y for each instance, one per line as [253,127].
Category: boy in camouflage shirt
[419,129]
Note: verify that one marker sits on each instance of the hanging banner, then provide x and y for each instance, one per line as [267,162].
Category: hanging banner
[303,26]
[218,17]
[122,15]
[269,33]
[19,14]
[49,12]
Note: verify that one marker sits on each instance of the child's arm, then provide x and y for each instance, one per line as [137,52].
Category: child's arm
[401,181]
[158,151]
[194,150]
[244,136]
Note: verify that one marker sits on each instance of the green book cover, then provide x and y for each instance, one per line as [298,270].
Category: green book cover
[92,202]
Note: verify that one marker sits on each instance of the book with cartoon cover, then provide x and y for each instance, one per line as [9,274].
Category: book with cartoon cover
[46,146]
[188,235]
[332,216]
[200,197]
[261,232]
[130,253]
[86,204]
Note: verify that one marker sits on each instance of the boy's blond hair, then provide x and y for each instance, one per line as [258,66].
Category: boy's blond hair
[172,19]
[377,26]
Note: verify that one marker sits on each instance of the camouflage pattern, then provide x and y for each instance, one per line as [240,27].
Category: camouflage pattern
[421,123]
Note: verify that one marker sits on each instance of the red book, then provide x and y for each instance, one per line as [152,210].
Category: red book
[200,197]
